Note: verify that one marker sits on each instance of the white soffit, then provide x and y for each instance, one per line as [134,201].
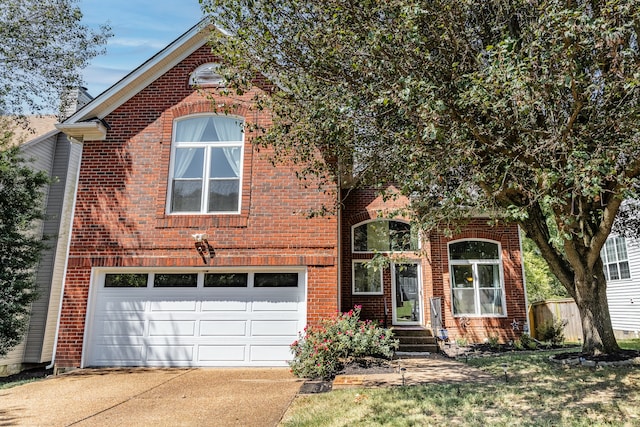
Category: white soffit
[84,131]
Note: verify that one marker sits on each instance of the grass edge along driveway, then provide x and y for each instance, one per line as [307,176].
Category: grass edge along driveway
[537,393]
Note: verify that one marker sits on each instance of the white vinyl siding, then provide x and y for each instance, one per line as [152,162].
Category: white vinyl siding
[624,294]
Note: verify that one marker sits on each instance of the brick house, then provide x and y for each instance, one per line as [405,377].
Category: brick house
[189,248]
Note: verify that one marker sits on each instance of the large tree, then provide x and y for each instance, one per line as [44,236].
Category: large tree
[524,109]
[44,47]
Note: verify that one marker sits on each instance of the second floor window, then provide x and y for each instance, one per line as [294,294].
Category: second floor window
[615,259]
[206,165]
[384,236]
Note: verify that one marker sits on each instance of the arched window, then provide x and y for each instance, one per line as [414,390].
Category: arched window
[206,165]
[384,236]
[206,75]
[476,278]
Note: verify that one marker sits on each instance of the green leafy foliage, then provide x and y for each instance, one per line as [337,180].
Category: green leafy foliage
[552,332]
[322,351]
[20,207]
[541,283]
[525,342]
[526,111]
[44,48]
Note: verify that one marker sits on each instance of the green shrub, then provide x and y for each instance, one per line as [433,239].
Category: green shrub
[322,351]
[525,342]
[494,341]
[462,342]
[552,332]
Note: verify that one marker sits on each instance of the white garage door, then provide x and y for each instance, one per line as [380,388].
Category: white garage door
[195,319]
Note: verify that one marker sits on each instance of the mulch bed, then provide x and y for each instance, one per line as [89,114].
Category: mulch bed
[368,365]
[29,374]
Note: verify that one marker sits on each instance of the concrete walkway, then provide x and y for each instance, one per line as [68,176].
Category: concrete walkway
[433,369]
[152,397]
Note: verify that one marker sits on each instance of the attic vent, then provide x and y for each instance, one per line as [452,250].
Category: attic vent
[206,75]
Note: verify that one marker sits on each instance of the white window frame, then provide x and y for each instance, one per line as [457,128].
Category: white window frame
[206,75]
[606,262]
[207,145]
[360,224]
[354,291]
[474,263]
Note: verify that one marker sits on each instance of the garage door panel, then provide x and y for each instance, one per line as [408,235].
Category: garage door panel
[274,328]
[270,353]
[123,328]
[223,328]
[275,306]
[225,306]
[172,306]
[119,353]
[167,328]
[222,353]
[194,326]
[115,306]
[170,353]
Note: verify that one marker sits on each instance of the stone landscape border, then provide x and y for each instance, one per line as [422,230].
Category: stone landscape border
[581,361]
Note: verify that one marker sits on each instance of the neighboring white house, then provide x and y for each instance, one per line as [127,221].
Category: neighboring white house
[621,258]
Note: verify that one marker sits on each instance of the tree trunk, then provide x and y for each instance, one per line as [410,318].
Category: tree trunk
[591,298]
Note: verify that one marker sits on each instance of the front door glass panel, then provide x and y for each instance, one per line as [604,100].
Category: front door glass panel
[407,307]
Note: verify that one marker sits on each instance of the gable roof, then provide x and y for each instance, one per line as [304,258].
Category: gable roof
[87,122]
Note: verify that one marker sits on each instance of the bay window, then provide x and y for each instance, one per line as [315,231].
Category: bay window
[476,278]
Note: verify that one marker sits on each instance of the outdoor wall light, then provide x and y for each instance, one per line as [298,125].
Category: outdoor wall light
[204,248]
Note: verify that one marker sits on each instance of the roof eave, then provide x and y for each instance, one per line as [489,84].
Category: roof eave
[84,131]
[144,75]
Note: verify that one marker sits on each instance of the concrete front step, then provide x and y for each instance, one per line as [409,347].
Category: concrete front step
[415,339]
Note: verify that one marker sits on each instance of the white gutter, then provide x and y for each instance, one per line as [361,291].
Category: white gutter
[66,258]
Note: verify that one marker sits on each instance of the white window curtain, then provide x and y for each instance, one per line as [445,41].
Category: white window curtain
[233,157]
[226,129]
[190,130]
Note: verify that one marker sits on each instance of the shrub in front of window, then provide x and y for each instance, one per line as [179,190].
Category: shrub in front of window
[321,352]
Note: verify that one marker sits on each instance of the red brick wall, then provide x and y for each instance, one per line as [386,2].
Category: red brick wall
[361,205]
[120,215]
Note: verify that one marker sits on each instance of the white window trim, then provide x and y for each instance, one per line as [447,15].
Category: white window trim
[606,262]
[205,186]
[476,290]
[100,275]
[353,230]
[210,68]
[353,279]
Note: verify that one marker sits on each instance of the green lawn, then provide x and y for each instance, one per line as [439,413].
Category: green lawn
[537,393]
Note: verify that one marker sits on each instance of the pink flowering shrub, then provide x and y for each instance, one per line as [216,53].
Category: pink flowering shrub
[322,351]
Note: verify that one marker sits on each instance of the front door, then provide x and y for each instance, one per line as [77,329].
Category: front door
[407,291]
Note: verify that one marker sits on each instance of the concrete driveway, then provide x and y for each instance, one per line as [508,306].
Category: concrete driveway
[152,396]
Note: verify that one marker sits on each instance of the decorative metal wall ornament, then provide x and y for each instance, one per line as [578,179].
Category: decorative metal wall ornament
[205,250]
[464,322]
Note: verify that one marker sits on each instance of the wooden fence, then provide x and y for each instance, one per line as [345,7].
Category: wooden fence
[551,311]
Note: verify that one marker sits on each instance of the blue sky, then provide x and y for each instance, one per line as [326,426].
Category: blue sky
[140,29]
